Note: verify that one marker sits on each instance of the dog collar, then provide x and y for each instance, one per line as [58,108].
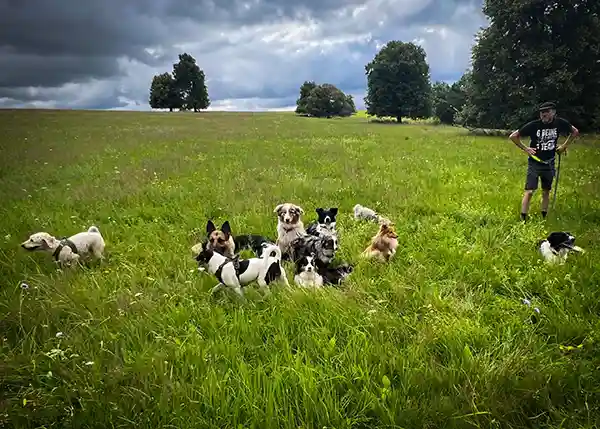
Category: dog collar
[64,242]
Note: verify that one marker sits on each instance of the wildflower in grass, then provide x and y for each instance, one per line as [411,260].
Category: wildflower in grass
[24,286]
[59,335]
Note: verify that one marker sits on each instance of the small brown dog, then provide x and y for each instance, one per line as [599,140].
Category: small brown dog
[384,243]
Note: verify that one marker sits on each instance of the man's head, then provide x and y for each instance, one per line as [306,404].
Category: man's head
[547,112]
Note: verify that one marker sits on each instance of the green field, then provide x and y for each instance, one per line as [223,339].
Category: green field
[438,338]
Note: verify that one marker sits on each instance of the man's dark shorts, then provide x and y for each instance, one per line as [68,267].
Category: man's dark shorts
[544,172]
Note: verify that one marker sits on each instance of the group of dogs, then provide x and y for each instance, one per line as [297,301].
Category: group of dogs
[311,249]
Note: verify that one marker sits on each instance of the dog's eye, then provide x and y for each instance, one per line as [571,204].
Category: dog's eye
[221,240]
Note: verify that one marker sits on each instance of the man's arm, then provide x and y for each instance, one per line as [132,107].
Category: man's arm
[571,131]
[515,136]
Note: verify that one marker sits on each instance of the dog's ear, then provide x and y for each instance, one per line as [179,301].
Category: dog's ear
[45,243]
[300,209]
[210,227]
[334,211]
[319,210]
[226,228]
[278,208]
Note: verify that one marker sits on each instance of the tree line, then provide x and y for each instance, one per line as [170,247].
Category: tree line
[531,52]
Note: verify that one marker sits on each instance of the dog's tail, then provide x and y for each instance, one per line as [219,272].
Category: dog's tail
[94,229]
[268,249]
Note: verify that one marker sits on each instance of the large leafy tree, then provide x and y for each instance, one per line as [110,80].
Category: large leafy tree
[163,94]
[305,89]
[189,81]
[536,51]
[398,82]
[324,100]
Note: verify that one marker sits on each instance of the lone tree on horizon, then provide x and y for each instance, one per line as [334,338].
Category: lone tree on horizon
[398,83]
[183,89]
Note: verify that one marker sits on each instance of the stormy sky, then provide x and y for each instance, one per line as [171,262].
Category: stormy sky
[255,53]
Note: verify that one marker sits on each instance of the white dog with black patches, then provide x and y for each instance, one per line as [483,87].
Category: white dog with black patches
[289,226]
[235,273]
[67,251]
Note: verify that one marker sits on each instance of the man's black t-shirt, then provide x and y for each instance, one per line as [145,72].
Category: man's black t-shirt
[544,136]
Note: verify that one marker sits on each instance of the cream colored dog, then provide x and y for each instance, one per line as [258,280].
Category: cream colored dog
[68,250]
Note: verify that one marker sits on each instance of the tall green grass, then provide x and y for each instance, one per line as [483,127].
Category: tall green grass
[437,338]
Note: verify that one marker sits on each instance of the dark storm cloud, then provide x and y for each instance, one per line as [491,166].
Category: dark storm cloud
[48,44]
[74,38]
[18,70]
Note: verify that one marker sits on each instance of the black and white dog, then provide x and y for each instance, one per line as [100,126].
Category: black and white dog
[254,242]
[556,247]
[235,272]
[306,274]
[312,273]
[323,247]
[334,275]
[325,223]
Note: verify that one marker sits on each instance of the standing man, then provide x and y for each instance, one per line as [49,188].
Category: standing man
[543,134]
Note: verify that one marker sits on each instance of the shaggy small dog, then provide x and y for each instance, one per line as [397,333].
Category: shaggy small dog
[384,243]
[556,247]
[235,272]
[289,226]
[362,212]
[325,223]
[68,250]
[306,274]
[322,247]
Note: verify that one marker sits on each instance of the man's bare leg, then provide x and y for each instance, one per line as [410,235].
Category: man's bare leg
[545,201]
[525,204]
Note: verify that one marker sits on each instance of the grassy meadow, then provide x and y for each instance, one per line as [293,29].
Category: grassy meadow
[438,338]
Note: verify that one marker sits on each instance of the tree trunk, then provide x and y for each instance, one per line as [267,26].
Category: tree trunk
[399,119]
[170,109]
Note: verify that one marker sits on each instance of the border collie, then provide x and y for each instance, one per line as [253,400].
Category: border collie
[306,274]
[556,247]
[325,223]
